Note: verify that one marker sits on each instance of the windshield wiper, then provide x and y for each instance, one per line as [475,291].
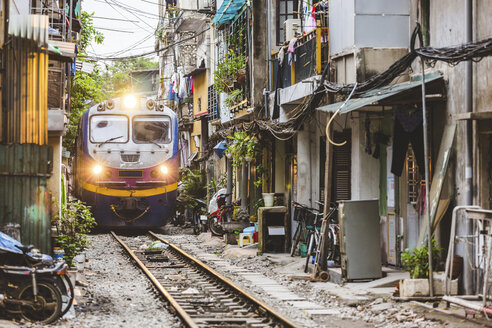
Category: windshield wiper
[109,140]
[155,143]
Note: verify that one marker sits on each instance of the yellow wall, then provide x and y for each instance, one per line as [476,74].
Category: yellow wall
[199,106]
[200,93]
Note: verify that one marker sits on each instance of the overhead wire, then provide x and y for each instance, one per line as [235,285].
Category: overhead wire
[150,52]
[453,55]
[112,6]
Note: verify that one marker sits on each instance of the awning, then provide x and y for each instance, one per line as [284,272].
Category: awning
[220,148]
[60,50]
[376,95]
[228,11]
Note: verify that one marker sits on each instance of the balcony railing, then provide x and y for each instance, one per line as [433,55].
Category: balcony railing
[310,55]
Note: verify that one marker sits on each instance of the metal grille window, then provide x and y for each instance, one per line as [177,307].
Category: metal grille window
[286,9]
[212,104]
[238,33]
[413,177]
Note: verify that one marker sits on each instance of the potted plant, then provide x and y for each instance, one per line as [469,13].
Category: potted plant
[244,148]
[75,222]
[227,71]
[417,263]
[234,97]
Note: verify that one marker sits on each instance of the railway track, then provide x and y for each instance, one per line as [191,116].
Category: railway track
[199,295]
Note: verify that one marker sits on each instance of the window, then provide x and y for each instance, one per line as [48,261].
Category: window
[286,9]
[109,129]
[152,129]
[212,107]
[413,177]
[342,158]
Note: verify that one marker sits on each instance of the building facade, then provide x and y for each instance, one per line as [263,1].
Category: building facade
[301,60]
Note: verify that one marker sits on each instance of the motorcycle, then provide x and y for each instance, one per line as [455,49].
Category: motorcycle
[219,212]
[32,285]
[198,224]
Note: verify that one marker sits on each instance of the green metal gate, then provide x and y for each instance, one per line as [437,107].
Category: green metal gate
[24,198]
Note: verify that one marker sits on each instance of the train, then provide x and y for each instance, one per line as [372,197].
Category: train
[126,162]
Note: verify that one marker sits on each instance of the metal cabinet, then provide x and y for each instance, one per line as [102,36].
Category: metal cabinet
[360,239]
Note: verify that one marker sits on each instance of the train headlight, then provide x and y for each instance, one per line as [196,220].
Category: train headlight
[130,101]
[164,169]
[97,169]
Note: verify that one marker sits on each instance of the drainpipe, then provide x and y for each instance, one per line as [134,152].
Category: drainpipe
[467,273]
[244,186]
[229,183]
[269,44]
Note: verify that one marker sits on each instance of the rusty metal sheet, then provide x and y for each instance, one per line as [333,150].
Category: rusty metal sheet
[438,178]
[26,93]
[24,198]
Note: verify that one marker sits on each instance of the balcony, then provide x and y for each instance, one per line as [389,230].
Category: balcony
[311,54]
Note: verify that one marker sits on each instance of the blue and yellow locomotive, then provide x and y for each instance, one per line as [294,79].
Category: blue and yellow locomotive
[126,163]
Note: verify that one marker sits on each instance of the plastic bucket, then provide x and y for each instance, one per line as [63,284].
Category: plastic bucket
[58,254]
[268,199]
[303,249]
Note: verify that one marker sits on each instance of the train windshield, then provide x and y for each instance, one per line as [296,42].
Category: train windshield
[109,129]
[152,129]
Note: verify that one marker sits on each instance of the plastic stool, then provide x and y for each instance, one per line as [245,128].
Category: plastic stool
[245,239]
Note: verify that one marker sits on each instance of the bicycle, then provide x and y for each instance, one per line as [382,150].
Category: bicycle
[303,224]
[314,238]
[317,241]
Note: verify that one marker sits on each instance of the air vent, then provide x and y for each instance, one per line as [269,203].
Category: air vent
[130,173]
[130,158]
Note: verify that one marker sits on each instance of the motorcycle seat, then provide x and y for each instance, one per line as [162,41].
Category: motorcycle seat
[25,248]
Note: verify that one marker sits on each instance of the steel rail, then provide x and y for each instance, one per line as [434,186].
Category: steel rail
[228,282]
[180,311]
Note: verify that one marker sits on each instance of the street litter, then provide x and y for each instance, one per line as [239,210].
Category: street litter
[158,244]
[191,290]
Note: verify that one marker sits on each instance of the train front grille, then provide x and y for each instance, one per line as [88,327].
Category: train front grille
[130,173]
[130,158]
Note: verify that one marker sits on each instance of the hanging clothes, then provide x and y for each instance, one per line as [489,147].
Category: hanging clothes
[407,128]
[281,56]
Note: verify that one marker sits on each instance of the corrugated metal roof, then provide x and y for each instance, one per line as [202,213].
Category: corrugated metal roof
[376,95]
[228,11]
[31,27]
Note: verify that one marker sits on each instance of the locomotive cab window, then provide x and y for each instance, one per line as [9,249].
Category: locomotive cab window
[152,129]
[109,129]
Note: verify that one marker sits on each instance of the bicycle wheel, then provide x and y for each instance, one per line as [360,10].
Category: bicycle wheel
[330,246]
[309,251]
[46,308]
[67,293]
[295,239]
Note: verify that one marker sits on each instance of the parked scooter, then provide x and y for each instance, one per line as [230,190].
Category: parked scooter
[219,212]
[198,224]
[32,285]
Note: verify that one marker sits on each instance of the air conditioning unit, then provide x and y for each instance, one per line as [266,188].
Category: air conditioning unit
[292,27]
[206,6]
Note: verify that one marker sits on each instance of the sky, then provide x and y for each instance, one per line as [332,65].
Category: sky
[128,26]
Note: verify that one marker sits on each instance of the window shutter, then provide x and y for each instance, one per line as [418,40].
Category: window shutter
[342,166]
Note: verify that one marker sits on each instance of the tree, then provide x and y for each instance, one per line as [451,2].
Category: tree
[118,74]
[86,87]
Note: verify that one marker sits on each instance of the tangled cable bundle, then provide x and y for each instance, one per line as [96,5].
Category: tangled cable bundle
[474,51]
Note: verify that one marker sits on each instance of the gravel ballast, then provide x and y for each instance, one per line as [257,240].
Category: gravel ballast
[118,294]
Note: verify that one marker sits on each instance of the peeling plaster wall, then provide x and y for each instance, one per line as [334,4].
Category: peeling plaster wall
[365,168]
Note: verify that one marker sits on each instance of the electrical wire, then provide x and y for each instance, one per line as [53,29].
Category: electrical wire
[474,51]
[149,52]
